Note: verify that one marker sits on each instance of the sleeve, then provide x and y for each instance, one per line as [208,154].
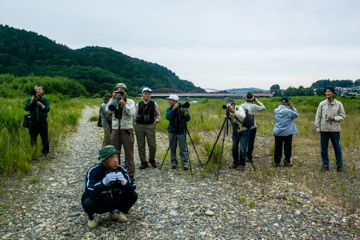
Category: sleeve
[293,113]
[129,108]
[157,113]
[258,108]
[93,184]
[46,103]
[169,114]
[318,117]
[341,112]
[136,112]
[28,105]
[240,113]
[187,117]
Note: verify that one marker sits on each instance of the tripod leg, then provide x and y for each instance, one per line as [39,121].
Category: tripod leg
[193,147]
[167,151]
[222,127]
[222,147]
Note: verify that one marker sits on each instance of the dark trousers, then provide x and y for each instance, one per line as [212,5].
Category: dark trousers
[241,138]
[36,128]
[107,204]
[280,142]
[251,143]
[335,140]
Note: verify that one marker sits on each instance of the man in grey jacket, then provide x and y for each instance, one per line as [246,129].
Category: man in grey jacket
[283,131]
[329,114]
[127,111]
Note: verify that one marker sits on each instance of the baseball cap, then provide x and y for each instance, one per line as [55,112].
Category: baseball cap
[173,97]
[146,89]
[284,99]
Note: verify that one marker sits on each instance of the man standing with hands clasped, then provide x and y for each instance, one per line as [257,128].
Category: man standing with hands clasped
[329,114]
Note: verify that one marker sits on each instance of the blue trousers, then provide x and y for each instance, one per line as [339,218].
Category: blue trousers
[335,140]
[241,138]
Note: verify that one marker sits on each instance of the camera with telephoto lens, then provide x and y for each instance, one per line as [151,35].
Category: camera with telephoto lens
[36,97]
[226,106]
[114,103]
[184,105]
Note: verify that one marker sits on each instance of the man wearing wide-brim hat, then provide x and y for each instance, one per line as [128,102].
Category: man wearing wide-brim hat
[329,114]
[106,120]
[108,188]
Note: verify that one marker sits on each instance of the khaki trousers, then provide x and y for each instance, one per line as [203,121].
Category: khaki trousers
[126,140]
[146,131]
[107,132]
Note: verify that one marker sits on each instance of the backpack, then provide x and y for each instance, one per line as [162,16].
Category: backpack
[249,119]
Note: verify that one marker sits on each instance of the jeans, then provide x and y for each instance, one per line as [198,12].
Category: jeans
[184,156]
[335,140]
[241,138]
[250,148]
[281,141]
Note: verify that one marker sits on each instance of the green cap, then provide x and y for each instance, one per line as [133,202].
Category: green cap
[106,152]
[121,85]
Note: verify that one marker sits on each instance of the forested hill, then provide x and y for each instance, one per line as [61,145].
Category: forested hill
[23,53]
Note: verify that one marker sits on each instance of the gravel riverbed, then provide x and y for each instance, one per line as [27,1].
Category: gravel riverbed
[172,204]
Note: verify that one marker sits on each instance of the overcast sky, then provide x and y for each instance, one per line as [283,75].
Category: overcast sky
[215,44]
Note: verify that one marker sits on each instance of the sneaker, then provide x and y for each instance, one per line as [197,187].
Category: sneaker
[339,168]
[153,163]
[240,168]
[287,164]
[186,167]
[144,165]
[93,223]
[233,166]
[324,169]
[120,217]
[173,166]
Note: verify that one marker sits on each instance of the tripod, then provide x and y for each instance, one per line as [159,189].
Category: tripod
[182,123]
[226,125]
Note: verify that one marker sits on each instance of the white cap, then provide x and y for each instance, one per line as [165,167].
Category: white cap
[173,97]
[146,89]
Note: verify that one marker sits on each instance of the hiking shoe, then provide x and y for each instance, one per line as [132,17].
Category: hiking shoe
[120,217]
[339,168]
[233,166]
[153,163]
[324,169]
[93,223]
[287,164]
[186,167]
[240,168]
[144,165]
[173,166]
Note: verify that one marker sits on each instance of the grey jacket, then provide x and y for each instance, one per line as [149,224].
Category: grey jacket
[325,108]
[284,121]
[254,108]
[127,119]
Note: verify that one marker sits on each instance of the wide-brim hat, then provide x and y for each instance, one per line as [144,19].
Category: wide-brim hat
[249,97]
[106,96]
[173,97]
[106,152]
[121,85]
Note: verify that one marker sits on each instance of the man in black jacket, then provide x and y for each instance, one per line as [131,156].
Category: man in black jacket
[39,106]
[108,188]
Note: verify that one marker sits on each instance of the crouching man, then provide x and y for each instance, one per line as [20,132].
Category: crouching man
[108,188]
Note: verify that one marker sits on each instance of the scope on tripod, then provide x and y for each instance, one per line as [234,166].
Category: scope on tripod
[114,103]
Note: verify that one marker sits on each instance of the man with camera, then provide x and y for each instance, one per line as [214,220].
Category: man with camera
[108,188]
[39,106]
[123,110]
[240,135]
[283,130]
[329,114]
[178,116]
[254,106]
[106,120]
[147,115]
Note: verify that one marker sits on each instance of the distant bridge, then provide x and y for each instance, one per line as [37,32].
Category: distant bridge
[165,92]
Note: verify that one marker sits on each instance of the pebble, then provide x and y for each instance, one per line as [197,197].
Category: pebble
[209,213]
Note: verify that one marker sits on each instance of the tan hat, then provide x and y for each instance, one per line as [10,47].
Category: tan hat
[121,85]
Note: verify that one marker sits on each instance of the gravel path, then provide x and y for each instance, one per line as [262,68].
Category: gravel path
[172,204]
